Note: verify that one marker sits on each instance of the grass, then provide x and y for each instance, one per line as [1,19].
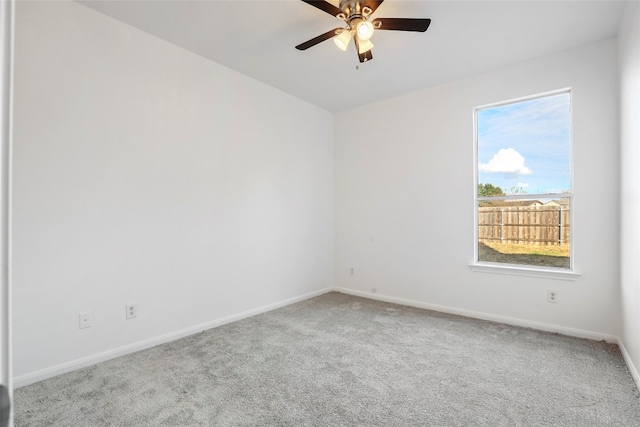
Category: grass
[524,254]
[525,249]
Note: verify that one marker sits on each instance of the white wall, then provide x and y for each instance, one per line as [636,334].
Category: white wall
[404,197]
[144,173]
[629,54]
[6,67]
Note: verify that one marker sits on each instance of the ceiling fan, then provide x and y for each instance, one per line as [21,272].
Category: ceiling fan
[356,14]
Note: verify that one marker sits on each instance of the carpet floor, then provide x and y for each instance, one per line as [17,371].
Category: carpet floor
[339,360]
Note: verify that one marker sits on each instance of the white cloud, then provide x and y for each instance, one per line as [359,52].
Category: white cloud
[507,160]
[523,185]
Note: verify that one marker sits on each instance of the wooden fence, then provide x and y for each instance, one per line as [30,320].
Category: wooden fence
[539,225]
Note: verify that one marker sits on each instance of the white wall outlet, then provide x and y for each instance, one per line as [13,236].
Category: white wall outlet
[552,296]
[85,320]
[352,271]
[132,311]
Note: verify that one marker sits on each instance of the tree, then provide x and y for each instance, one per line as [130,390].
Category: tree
[489,190]
[517,190]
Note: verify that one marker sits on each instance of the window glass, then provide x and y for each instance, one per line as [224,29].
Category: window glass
[523,173]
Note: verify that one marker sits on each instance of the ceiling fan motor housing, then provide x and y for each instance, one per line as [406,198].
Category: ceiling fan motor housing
[354,11]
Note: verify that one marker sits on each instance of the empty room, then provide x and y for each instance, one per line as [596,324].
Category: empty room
[320,213]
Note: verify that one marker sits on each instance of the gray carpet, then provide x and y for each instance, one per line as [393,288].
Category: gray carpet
[338,360]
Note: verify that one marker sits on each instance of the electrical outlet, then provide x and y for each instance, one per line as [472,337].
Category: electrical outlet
[132,311]
[352,272]
[85,320]
[552,296]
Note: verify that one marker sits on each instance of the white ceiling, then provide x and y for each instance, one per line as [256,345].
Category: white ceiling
[257,38]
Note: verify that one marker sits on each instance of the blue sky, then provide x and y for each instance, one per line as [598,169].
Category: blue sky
[526,144]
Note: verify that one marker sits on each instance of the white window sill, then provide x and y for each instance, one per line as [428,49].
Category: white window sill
[518,270]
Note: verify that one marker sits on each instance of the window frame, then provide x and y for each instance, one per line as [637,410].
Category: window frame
[523,269]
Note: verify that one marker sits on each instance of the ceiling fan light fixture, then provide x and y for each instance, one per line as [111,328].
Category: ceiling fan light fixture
[364,30]
[342,39]
[356,15]
[364,46]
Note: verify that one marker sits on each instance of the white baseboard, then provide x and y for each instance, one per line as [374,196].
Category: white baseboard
[579,333]
[629,362]
[43,374]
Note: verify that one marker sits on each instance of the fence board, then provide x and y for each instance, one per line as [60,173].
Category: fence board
[540,225]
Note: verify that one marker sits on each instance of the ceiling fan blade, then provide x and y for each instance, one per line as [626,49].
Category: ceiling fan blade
[314,41]
[372,4]
[365,56]
[401,24]
[324,6]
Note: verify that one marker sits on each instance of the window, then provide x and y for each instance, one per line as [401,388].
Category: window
[523,183]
